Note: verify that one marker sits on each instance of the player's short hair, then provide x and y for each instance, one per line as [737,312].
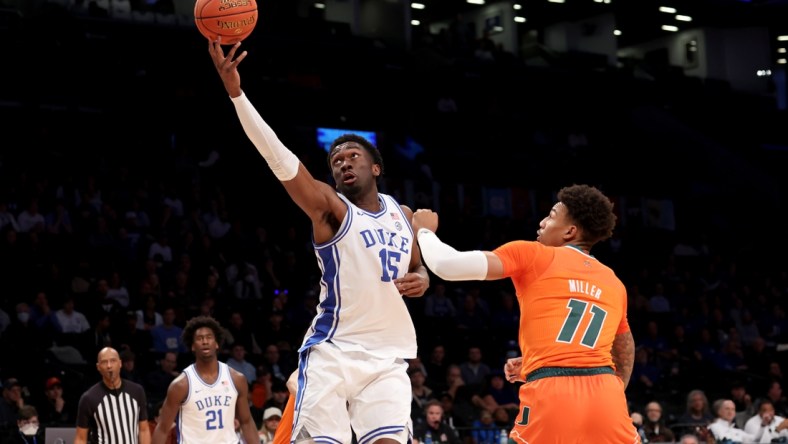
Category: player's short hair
[366,144]
[591,210]
[198,322]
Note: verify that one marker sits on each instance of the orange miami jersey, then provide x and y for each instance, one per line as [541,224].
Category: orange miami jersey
[571,305]
[571,309]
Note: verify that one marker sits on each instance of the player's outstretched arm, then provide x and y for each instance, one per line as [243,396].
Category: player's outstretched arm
[448,263]
[314,197]
[176,393]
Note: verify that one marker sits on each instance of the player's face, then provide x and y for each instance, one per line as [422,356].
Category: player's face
[352,169]
[205,345]
[554,227]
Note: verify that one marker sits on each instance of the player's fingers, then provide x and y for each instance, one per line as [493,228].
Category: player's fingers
[239,58]
[233,50]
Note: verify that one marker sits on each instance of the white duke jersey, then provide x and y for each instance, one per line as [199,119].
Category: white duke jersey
[360,308]
[208,413]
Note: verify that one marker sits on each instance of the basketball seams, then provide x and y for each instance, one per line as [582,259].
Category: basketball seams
[211,22]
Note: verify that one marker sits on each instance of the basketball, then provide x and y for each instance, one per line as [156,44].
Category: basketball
[233,20]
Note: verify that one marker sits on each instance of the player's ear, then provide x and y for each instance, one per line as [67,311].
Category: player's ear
[571,232]
[375,169]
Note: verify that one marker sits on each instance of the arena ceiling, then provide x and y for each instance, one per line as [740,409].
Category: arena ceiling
[638,20]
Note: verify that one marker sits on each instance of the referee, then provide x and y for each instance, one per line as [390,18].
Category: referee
[113,411]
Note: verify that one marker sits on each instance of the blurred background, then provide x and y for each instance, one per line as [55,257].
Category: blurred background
[129,193]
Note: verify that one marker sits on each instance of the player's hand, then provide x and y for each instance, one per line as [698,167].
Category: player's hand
[424,218]
[512,369]
[227,66]
[412,284]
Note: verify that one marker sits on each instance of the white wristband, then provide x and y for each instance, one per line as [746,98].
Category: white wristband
[448,263]
[282,161]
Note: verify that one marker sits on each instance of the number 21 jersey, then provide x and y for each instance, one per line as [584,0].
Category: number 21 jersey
[208,413]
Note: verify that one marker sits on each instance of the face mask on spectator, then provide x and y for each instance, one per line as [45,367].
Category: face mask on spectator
[29,429]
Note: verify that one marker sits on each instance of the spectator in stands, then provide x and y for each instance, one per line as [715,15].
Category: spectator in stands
[28,427]
[57,411]
[434,426]
[129,337]
[474,370]
[7,218]
[766,425]
[117,290]
[689,438]
[279,395]
[167,336]
[483,429]
[158,381]
[237,360]
[10,404]
[745,408]
[128,367]
[697,411]
[497,393]
[148,316]
[723,426]
[654,424]
[30,220]
[271,418]
[774,393]
[71,321]
[241,333]
[421,394]
[637,421]
[436,365]
[272,358]
[439,310]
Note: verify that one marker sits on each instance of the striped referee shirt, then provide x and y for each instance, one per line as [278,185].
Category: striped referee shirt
[112,416]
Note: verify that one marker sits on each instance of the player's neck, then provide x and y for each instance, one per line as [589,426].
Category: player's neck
[580,246]
[369,202]
[208,369]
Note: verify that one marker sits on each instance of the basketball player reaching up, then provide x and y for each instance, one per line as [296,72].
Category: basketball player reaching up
[576,347]
[352,368]
[208,395]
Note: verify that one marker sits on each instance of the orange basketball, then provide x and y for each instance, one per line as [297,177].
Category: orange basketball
[233,20]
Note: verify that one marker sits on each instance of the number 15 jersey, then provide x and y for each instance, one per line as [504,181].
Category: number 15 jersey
[207,416]
[360,307]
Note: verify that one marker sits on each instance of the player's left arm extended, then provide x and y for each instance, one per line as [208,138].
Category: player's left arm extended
[623,352]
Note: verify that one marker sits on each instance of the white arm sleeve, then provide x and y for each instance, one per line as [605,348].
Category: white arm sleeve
[282,161]
[448,263]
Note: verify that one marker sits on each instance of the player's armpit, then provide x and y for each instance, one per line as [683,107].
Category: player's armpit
[623,353]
